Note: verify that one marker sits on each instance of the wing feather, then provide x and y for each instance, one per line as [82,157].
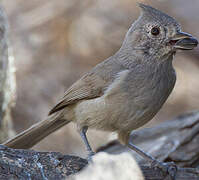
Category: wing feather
[88,87]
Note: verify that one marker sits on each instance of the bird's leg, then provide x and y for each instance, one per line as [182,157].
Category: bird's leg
[170,168]
[146,156]
[85,140]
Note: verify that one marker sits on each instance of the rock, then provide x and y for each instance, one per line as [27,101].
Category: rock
[111,167]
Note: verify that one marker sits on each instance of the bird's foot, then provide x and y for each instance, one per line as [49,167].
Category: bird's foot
[169,168]
[90,155]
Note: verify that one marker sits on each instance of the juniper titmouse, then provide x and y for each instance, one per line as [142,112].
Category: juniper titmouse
[126,90]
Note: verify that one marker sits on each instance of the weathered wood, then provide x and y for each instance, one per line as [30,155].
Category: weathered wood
[28,164]
[181,174]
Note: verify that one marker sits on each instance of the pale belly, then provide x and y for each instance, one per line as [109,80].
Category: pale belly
[112,114]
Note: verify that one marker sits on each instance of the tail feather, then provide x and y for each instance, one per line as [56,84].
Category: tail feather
[36,133]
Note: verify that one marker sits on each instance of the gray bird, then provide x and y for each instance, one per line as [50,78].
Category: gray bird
[123,92]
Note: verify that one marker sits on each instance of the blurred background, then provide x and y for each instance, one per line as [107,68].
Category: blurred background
[56,42]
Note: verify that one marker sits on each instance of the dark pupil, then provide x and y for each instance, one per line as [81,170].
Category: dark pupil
[155,31]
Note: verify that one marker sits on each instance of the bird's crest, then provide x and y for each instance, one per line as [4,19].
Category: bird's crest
[162,17]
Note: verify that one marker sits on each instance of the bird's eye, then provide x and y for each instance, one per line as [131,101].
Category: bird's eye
[155,31]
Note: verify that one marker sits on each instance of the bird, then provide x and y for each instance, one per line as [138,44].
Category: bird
[123,92]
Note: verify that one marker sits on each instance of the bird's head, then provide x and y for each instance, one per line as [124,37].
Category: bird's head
[157,34]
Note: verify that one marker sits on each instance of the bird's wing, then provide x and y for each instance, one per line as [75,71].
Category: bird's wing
[88,87]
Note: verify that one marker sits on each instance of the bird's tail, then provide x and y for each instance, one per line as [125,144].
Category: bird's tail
[37,132]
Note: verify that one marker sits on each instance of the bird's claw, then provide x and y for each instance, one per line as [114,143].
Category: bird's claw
[169,167]
[90,155]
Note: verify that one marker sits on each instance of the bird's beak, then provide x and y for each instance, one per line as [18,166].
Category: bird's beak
[183,41]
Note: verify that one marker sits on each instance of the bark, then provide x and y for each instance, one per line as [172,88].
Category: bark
[28,164]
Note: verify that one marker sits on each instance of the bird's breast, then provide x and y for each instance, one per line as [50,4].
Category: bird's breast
[147,93]
[129,102]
